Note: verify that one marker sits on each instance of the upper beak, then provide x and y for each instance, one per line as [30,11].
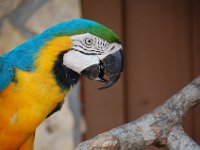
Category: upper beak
[108,70]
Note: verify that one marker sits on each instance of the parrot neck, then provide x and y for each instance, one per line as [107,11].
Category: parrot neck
[50,60]
[64,76]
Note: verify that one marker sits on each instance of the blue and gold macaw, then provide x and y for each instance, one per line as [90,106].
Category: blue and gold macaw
[35,76]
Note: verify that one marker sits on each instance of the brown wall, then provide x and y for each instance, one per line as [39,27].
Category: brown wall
[196,60]
[162,51]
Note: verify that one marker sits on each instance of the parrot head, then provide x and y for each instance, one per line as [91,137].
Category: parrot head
[95,52]
[73,48]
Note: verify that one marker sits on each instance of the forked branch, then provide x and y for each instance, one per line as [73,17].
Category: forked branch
[161,127]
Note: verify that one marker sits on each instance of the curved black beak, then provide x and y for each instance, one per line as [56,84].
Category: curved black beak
[108,70]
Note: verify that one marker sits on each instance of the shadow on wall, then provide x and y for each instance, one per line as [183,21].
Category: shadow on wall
[19,21]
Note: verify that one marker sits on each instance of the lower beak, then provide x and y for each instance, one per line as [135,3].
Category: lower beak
[108,70]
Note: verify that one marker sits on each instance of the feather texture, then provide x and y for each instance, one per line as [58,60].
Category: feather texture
[6,73]
[24,104]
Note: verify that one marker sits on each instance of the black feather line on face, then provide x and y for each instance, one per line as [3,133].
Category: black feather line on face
[64,76]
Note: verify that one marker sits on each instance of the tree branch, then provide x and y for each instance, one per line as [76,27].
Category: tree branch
[178,139]
[161,127]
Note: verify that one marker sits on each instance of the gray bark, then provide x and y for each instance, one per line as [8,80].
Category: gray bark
[161,127]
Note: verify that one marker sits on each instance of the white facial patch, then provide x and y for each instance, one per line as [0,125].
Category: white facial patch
[78,61]
[88,50]
[93,45]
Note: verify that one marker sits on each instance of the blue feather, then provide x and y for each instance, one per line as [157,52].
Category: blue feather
[22,57]
[6,73]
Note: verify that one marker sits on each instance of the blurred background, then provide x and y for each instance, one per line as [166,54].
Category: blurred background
[161,42]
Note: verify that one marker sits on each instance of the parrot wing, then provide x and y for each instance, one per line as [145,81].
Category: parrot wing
[6,73]
[22,57]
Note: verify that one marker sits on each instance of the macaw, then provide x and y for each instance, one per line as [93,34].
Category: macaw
[36,75]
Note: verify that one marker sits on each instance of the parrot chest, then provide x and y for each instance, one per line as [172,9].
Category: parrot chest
[38,95]
[25,104]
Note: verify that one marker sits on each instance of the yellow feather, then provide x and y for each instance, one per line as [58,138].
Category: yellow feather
[25,104]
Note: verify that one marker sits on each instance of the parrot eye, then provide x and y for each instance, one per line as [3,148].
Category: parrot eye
[88,41]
